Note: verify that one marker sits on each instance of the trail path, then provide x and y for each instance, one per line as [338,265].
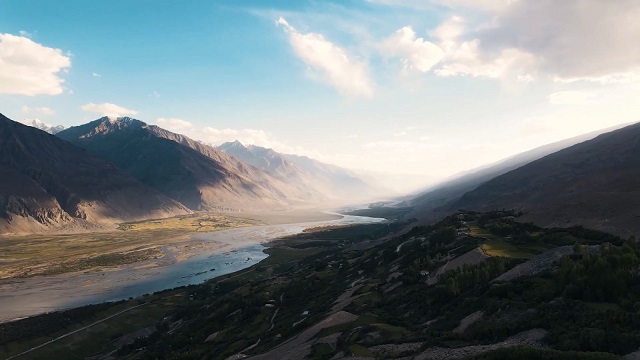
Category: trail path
[74,332]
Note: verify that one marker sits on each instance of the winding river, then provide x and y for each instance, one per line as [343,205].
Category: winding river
[21,298]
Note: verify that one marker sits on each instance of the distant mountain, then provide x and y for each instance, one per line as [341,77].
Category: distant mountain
[430,204]
[197,175]
[266,159]
[47,183]
[43,126]
[595,183]
[334,182]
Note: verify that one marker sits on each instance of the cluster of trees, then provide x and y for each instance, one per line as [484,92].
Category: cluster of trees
[454,282]
[606,276]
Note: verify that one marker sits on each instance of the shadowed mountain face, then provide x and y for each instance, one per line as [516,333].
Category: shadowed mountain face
[197,175]
[332,181]
[595,183]
[45,181]
[432,204]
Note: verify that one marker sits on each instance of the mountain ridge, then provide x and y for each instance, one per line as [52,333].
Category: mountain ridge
[594,184]
[193,173]
[48,183]
[432,204]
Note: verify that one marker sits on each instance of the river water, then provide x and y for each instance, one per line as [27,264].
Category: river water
[31,296]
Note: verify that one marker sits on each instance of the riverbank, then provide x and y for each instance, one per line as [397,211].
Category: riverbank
[193,259]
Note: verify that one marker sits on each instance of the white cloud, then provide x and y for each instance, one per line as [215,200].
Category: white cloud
[573,39]
[173,124]
[482,5]
[573,97]
[42,111]
[108,109]
[567,41]
[400,134]
[24,33]
[28,68]
[96,75]
[414,53]
[347,74]
[449,31]
[467,59]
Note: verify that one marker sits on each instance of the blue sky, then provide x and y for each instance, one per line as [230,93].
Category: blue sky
[412,91]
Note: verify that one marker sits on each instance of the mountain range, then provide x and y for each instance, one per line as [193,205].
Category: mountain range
[333,181]
[197,175]
[118,169]
[47,183]
[94,174]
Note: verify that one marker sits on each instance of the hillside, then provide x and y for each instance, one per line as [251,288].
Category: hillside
[473,286]
[197,175]
[595,184]
[431,203]
[47,183]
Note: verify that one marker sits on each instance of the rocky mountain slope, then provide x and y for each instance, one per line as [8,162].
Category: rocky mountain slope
[46,183]
[595,184]
[197,175]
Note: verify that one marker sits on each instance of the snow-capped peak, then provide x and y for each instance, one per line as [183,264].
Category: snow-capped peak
[39,124]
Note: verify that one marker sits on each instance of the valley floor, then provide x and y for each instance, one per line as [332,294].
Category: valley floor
[502,290]
[42,273]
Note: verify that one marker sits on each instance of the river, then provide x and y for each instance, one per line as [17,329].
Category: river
[21,298]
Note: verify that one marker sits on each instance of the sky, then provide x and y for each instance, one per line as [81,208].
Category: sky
[407,91]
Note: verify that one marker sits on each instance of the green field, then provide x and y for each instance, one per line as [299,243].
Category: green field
[500,247]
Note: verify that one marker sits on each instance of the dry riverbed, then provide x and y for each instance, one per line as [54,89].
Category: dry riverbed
[148,243]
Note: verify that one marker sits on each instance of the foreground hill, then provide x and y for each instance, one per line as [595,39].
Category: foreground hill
[302,172]
[595,184]
[47,183]
[197,175]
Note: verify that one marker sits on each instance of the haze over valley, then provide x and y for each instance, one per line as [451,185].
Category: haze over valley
[366,179]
